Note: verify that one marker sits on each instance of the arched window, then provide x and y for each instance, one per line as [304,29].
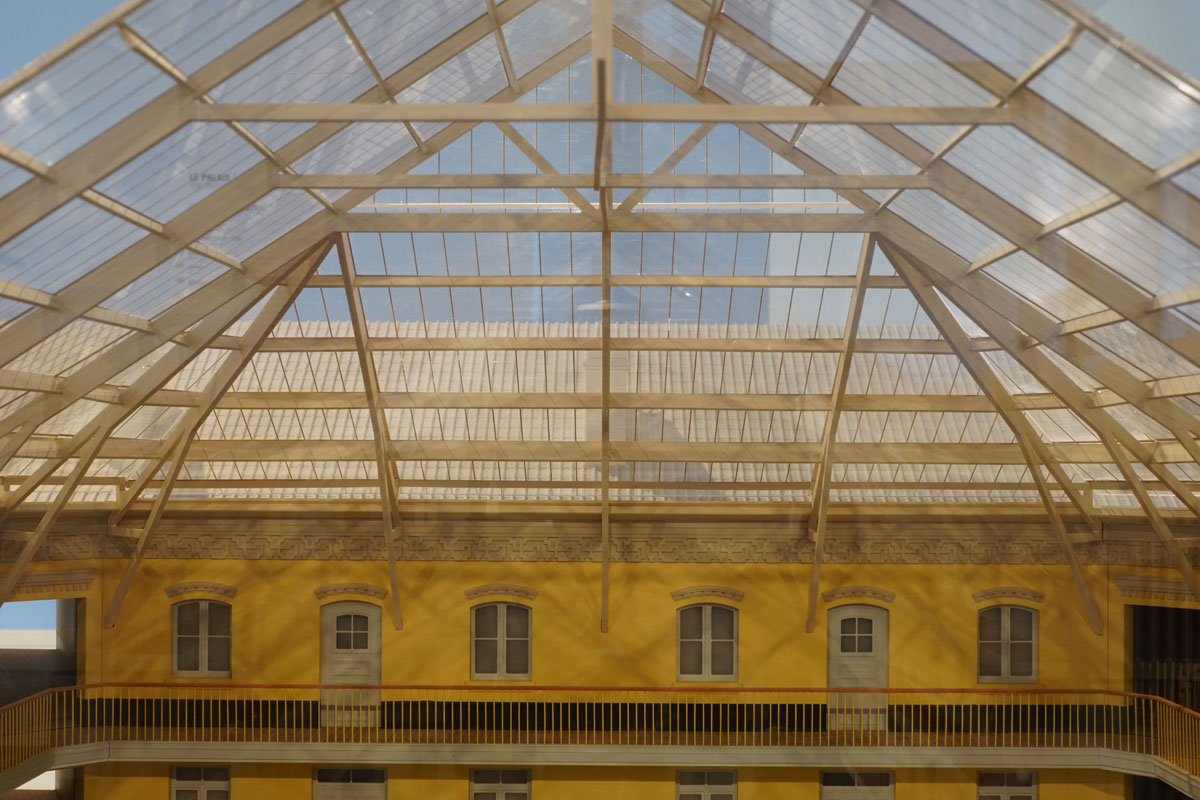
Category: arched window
[500,641]
[707,643]
[1007,644]
[203,638]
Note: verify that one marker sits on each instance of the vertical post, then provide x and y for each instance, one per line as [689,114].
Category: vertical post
[602,49]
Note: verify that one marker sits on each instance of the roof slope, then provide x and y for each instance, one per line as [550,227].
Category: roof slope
[825,251]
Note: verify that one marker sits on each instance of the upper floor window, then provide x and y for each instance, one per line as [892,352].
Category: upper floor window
[857,786]
[499,784]
[203,637]
[500,641]
[1007,644]
[707,642]
[698,785]
[200,783]
[1007,786]
[350,632]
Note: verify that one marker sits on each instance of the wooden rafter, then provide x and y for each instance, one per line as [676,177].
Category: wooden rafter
[706,43]
[388,478]
[669,163]
[821,471]
[185,431]
[1030,442]
[602,92]
[541,162]
[834,69]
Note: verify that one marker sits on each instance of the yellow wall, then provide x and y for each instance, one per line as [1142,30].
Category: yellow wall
[288,782]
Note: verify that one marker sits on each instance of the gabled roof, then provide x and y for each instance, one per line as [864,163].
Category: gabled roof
[825,252]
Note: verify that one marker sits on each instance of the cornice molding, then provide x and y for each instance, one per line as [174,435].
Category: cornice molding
[200,587]
[858,593]
[1143,587]
[58,581]
[1009,593]
[694,592]
[509,589]
[335,589]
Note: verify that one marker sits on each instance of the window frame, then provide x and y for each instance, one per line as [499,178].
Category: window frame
[502,788]
[706,790]
[203,786]
[502,639]
[203,636]
[706,673]
[1006,642]
[1006,792]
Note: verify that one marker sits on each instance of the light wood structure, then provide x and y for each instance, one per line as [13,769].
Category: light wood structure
[499,265]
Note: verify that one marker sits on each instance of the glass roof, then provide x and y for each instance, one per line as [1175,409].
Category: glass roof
[240,236]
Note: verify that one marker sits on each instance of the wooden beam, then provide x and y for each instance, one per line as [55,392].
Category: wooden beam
[823,467]
[542,163]
[186,429]
[1030,442]
[669,163]
[663,179]
[517,222]
[723,281]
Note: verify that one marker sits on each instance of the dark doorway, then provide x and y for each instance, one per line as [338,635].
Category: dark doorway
[1166,653]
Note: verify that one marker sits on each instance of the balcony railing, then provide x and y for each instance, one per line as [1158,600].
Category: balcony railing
[559,716]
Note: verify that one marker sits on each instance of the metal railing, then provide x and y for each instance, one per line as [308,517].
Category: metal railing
[811,718]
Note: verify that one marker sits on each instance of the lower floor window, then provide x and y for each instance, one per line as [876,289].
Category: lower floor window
[701,785]
[200,783]
[857,785]
[1007,786]
[499,784]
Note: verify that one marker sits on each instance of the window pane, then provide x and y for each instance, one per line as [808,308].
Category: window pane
[848,625]
[360,641]
[991,779]
[486,776]
[221,774]
[691,623]
[343,641]
[989,659]
[874,779]
[1020,660]
[837,778]
[218,655]
[1020,624]
[369,776]
[187,794]
[516,796]
[188,773]
[849,644]
[343,622]
[691,658]
[514,776]
[216,794]
[485,621]
[485,656]
[690,796]
[333,776]
[720,779]
[516,623]
[484,796]
[720,796]
[188,619]
[690,778]
[722,658]
[864,625]
[187,653]
[218,619]
[722,623]
[360,622]
[1019,779]
[516,657]
[989,625]
[866,644]
[990,797]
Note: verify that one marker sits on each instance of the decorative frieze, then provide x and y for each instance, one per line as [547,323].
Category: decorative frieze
[335,589]
[1008,593]
[693,592]
[1140,587]
[501,589]
[858,593]
[62,581]
[200,587]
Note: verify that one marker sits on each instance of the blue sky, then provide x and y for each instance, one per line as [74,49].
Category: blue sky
[26,614]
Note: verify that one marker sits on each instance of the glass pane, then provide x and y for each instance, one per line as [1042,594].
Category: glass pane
[343,622]
[848,625]
[484,796]
[689,778]
[691,658]
[187,794]
[989,659]
[990,797]
[516,657]
[1020,624]
[221,774]
[865,625]
[1020,660]
[218,619]
[1019,779]
[989,625]
[722,658]
[837,778]
[344,641]
[187,653]
[188,773]
[187,619]
[485,656]
[849,644]
[691,623]
[874,779]
[216,794]
[690,796]
[369,776]
[1020,797]
[516,622]
[514,776]
[360,641]
[218,658]
[722,623]
[360,622]
[516,796]
[486,776]
[333,776]
[485,621]
[866,644]
[720,796]
[720,779]
[991,779]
